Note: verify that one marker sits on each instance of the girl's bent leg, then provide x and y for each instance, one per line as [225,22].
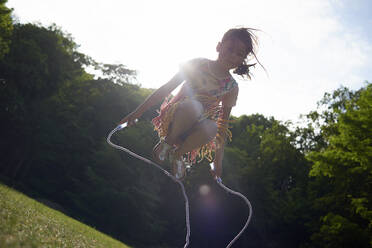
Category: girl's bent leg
[185,117]
[200,135]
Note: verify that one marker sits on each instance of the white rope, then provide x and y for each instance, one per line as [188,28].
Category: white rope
[160,168]
[218,180]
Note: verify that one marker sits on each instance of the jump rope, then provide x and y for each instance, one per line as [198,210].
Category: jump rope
[187,210]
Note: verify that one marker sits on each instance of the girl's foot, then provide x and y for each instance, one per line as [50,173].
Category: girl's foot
[160,151]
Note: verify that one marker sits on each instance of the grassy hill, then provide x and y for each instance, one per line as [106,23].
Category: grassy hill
[25,222]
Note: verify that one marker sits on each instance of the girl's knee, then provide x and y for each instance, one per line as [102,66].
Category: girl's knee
[191,108]
[209,128]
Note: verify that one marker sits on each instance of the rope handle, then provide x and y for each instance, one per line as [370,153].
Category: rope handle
[218,179]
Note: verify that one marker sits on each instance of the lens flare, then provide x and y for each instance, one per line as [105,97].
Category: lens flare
[204,189]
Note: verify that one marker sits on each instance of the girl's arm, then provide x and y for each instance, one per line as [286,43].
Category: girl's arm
[154,98]
[219,152]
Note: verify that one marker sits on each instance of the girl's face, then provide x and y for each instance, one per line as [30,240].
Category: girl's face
[232,53]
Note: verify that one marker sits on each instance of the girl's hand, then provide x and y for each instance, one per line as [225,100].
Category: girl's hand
[214,174]
[216,171]
[217,163]
[131,118]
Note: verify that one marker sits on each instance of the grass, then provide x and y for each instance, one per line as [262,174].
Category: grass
[27,223]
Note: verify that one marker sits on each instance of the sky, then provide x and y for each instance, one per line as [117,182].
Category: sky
[308,47]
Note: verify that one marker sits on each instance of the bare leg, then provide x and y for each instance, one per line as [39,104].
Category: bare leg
[185,117]
[201,134]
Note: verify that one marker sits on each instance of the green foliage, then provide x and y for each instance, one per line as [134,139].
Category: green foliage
[40,60]
[262,163]
[337,231]
[57,118]
[343,168]
[117,73]
[6,28]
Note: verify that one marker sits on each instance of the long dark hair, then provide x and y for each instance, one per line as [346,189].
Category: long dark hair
[247,36]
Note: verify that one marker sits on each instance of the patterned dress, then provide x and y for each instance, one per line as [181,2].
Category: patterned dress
[213,93]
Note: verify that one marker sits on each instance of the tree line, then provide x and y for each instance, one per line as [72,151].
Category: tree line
[310,186]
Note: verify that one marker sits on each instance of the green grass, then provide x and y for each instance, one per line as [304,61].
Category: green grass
[25,222]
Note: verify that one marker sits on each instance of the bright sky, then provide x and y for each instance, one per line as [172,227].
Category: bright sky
[308,47]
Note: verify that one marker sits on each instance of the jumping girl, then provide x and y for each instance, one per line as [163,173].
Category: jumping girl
[194,124]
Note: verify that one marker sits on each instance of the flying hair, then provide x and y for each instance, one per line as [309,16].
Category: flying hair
[248,37]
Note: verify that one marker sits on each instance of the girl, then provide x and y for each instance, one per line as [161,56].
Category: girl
[194,123]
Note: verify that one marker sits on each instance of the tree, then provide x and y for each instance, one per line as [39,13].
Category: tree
[56,118]
[40,60]
[6,28]
[343,169]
